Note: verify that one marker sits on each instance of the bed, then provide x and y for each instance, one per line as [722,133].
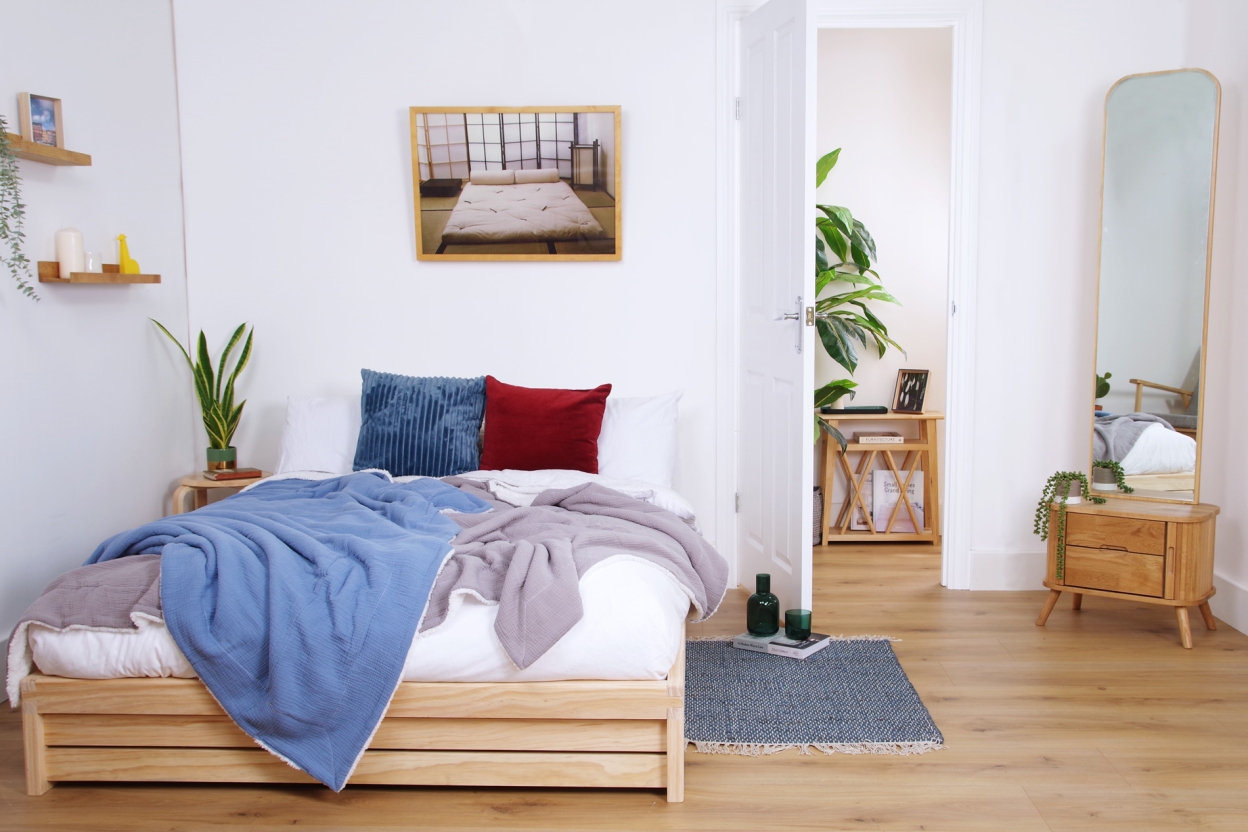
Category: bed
[510,207]
[536,725]
[1154,455]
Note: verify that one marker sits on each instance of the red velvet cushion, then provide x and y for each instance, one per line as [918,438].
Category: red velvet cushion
[530,428]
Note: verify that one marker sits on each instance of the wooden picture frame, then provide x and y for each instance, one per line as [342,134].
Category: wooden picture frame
[911,391]
[452,144]
[33,113]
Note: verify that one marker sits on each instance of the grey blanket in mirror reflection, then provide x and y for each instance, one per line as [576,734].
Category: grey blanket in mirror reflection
[1113,435]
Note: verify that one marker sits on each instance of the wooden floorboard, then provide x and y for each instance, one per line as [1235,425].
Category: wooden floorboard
[1100,720]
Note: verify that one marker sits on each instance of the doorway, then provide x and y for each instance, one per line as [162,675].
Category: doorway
[884,98]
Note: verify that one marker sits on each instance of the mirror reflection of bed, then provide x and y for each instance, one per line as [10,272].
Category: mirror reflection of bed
[1151,316]
[518,183]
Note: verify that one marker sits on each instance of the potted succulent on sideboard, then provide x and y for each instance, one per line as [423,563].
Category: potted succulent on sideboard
[216,393]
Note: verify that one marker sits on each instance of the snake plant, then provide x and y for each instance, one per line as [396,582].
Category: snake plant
[215,391]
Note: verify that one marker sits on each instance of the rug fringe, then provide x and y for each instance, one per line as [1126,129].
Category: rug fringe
[830,638]
[749,749]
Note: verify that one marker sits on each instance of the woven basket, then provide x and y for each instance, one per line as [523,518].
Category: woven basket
[817,530]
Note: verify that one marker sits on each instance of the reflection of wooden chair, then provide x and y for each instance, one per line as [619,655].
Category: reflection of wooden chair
[1186,395]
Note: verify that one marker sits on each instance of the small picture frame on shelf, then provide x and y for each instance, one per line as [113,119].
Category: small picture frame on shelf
[39,118]
[911,391]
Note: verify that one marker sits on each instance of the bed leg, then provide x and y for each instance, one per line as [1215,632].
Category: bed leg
[37,782]
[676,755]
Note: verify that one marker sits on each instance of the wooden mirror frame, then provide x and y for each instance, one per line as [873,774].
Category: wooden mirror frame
[1204,336]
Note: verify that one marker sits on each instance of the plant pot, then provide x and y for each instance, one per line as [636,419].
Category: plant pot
[1074,496]
[222,459]
[1103,479]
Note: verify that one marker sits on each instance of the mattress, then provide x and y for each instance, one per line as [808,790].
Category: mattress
[1159,450]
[631,630]
[536,212]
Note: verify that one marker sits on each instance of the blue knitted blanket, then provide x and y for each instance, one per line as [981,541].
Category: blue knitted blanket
[296,603]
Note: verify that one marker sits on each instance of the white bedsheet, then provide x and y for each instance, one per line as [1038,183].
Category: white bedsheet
[535,212]
[633,614]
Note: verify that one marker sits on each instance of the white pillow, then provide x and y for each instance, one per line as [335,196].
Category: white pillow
[638,438]
[525,177]
[320,434]
[492,177]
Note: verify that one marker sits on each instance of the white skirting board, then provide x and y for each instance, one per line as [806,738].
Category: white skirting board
[1230,605]
[998,570]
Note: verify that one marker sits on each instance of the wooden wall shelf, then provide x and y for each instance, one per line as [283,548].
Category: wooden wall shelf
[50,272]
[23,149]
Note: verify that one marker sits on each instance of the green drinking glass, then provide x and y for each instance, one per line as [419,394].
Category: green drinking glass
[797,624]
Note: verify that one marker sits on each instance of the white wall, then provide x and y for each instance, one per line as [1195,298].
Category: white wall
[296,164]
[96,414]
[884,99]
[1215,37]
[1046,68]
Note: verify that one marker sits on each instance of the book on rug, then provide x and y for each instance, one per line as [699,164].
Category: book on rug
[878,437]
[886,495]
[780,645]
[233,474]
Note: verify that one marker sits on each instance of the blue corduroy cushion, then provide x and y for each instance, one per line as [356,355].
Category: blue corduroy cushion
[426,426]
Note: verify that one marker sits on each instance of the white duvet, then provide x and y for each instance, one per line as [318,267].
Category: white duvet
[634,612]
[1159,450]
[535,212]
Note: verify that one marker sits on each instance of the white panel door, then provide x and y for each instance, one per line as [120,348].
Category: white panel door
[777,286]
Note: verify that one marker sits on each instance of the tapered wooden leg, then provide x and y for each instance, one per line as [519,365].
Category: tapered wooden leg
[1049,603]
[1207,614]
[1185,626]
[1076,600]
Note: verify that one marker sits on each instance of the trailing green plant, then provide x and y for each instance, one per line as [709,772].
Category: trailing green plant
[214,390]
[1119,476]
[1057,490]
[1102,385]
[844,252]
[12,217]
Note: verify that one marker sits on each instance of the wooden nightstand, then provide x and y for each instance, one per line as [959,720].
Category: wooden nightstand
[1137,550]
[197,486]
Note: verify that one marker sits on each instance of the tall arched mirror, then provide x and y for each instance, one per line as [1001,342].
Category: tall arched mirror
[1160,157]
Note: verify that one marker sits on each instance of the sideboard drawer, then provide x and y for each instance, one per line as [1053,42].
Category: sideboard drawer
[1148,537]
[1114,570]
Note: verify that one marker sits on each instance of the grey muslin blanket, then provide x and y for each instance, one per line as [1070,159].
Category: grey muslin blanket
[1114,436]
[529,560]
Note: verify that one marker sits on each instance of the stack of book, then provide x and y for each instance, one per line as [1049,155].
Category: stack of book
[779,645]
[233,474]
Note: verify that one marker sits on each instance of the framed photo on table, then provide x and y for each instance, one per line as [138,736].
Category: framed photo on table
[39,119]
[911,391]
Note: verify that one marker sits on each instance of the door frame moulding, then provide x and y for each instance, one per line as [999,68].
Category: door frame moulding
[965,19]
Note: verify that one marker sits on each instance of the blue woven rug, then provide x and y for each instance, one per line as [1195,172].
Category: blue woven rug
[852,697]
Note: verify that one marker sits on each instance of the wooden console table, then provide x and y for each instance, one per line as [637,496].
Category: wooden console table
[918,459]
[1136,550]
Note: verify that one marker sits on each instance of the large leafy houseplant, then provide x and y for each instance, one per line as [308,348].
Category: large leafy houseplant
[213,388]
[844,252]
[12,214]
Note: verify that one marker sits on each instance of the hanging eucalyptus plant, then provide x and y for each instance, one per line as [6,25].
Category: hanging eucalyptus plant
[844,251]
[12,214]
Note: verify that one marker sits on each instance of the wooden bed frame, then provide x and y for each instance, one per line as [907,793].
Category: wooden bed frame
[579,733]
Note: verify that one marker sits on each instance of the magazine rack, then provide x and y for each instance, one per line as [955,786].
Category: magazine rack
[913,459]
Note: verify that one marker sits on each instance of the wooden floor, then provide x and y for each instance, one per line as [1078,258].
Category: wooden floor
[1098,721]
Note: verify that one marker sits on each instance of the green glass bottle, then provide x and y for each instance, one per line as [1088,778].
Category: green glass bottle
[762,611]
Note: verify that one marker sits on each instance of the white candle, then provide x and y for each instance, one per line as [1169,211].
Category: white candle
[69,253]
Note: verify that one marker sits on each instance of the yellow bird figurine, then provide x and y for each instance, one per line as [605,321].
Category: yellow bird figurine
[128,265]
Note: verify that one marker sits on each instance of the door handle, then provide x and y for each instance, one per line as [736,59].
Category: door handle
[796,315]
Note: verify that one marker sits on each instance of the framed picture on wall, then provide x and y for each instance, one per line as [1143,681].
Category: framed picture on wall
[911,391]
[516,183]
[39,119]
